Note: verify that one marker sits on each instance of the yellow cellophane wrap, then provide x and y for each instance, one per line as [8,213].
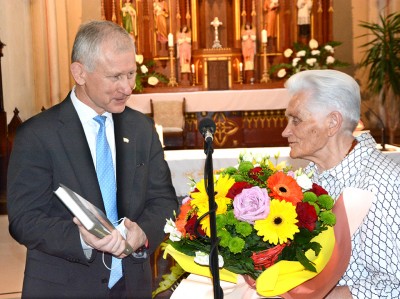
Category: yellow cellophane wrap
[277,279]
[285,275]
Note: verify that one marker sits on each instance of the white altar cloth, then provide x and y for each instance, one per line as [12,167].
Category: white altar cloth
[190,163]
[219,100]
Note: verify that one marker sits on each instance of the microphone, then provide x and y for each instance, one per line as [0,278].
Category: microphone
[207,129]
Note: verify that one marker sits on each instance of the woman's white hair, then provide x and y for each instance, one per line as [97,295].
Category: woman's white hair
[329,91]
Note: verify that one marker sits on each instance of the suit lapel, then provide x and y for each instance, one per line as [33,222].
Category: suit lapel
[125,143]
[77,150]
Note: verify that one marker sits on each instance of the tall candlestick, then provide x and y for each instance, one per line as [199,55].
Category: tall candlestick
[193,68]
[170,40]
[240,66]
[264,36]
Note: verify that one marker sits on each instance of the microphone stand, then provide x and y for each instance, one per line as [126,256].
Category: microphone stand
[209,182]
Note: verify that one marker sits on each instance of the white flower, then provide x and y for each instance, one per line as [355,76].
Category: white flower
[329,48]
[311,61]
[301,53]
[315,52]
[303,180]
[139,58]
[247,157]
[295,61]
[152,80]
[170,228]
[313,44]
[203,258]
[144,69]
[330,60]
[288,53]
[281,73]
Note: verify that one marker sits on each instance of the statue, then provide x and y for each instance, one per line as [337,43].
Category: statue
[248,46]
[129,18]
[216,23]
[303,17]
[184,49]
[271,10]
[160,10]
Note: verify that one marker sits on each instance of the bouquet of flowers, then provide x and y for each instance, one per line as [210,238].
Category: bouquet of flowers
[307,57]
[146,75]
[266,214]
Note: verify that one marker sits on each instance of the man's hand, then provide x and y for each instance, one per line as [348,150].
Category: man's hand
[113,243]
[134,235]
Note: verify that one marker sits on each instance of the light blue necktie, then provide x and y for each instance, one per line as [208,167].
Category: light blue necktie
[106,178]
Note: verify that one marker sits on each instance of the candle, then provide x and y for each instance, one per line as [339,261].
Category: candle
[240,66]
[193,68]
[170,40]
[264,37]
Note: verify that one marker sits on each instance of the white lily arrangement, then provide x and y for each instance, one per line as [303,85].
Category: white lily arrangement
[307,57]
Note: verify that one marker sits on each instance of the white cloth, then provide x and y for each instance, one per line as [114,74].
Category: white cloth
[374,268]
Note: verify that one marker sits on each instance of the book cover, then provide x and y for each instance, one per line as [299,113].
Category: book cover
[91,217]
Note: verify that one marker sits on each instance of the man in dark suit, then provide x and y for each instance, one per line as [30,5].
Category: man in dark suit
[59,146]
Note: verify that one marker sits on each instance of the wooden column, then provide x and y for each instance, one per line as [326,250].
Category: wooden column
[3,143]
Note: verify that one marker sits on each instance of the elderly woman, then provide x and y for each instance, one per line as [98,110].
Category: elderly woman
[322,114]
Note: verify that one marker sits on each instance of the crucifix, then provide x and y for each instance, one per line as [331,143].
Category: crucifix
[216,23]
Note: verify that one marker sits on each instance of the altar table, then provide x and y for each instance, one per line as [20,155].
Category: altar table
[185,164]
[220,100]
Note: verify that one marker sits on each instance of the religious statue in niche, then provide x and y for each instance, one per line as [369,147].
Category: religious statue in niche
[304,19]
[270,20]
[160,9]
[184,49]
[248,46]
[128,13]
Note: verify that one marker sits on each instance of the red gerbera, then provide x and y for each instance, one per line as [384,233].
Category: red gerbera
[306,215]
[284,187]
[190,227]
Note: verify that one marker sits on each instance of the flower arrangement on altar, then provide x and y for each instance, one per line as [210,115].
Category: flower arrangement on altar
[307,57]
[267,215]
[145,74]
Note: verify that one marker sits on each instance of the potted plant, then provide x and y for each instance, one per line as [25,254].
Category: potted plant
[382,56]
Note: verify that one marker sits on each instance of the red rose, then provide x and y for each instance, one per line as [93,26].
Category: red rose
[189,227]
[306,215]
[237,188]
[318,190]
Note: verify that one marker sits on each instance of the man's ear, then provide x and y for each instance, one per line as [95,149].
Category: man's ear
[335,121]
[78,72]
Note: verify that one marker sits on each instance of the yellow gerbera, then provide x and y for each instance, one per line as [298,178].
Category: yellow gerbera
[200,198]
[280,225]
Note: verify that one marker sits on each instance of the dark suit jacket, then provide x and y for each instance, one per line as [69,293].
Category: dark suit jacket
[50,149]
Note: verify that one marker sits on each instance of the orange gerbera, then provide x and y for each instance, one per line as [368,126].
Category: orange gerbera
[183,217]
[284,187]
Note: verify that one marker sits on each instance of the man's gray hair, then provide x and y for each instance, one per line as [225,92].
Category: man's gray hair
[92,35]
[329,90]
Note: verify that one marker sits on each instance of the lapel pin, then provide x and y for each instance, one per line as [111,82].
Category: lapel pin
[126,140]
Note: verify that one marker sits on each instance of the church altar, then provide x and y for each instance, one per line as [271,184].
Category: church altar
[190,163]
[218,100]
[244,118]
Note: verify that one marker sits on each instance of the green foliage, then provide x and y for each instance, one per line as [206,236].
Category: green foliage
[382,53]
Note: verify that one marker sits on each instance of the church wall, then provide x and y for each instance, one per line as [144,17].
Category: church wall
[28,69]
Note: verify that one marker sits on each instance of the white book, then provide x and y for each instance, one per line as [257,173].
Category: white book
[91,217]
